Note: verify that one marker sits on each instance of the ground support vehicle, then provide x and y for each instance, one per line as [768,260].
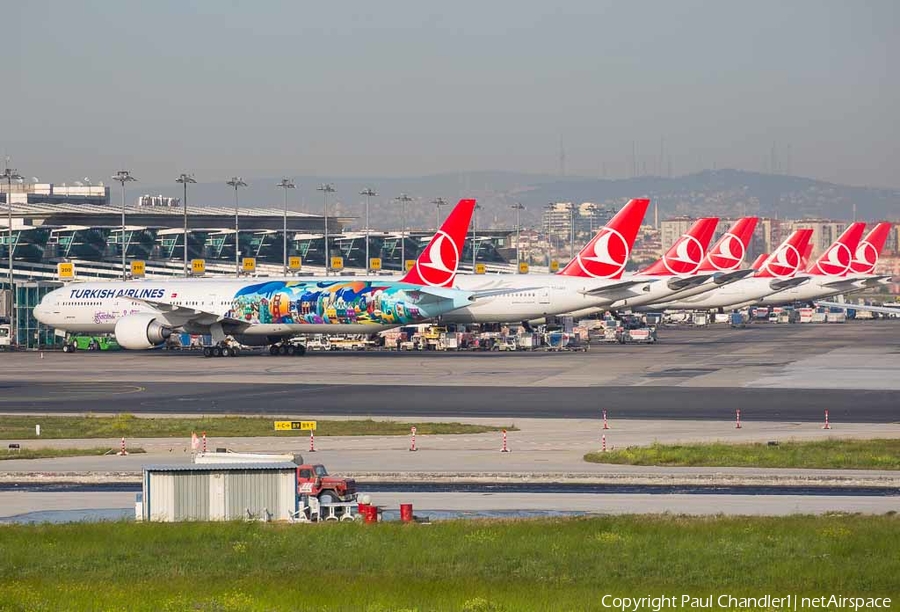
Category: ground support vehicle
[90,343]
[643,335]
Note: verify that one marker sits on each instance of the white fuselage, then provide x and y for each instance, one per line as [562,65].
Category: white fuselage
[816,288]
[539,296]
[740,292]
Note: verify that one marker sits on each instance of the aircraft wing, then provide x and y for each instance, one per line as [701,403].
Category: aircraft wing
[178,316]
[881,309]
[615,288]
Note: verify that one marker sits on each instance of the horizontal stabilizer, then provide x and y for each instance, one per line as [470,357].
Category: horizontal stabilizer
[686,282]
[787,283]
[726,278]
[614,288]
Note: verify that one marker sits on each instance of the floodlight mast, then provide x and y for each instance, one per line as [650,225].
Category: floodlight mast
[438,203]
[236,182]
[11,175]
[285,184]
[184,179]
[518,207]
[368,192]
[403,199]
[123,176]
[474,241]
[326,188]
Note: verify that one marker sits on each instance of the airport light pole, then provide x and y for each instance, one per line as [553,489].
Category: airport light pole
[285,184]
[474,227]
[438,202]
[518,207]
[123,176]
[403,199]
[368,192]
[326,188]
[11,175]
[236,182]
[184,179]
[572,230]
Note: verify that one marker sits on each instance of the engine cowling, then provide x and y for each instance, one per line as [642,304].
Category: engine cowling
[139,332]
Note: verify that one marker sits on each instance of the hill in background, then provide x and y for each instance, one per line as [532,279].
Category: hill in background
[725,193]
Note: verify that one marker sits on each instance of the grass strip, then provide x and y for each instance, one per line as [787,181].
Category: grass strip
[90,426]
[546,564]
[49,453]
[878,454]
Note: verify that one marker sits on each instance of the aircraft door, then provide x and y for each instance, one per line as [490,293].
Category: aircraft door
[544,295]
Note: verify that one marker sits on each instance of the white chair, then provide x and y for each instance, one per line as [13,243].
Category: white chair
[315,511]
[298,516]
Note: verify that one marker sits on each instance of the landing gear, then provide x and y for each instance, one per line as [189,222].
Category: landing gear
[221,350]
[294,350]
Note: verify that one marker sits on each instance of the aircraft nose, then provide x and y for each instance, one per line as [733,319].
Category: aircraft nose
[41,312]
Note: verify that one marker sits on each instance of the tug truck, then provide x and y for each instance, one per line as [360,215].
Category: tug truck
[313,480]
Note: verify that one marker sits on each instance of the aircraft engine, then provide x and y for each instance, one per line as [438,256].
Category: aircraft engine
[141,331]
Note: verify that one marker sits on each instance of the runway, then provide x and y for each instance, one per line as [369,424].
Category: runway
[140,397]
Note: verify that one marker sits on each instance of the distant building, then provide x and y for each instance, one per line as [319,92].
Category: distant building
[48,193]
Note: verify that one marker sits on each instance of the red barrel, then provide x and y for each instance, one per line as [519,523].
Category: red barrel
[406,514]
[371,515]
[361,509]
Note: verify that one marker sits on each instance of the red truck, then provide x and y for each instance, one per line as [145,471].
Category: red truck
[313,480]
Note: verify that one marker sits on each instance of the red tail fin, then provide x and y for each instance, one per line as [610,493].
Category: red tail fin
[759,261]
[728,253]
[784,262]
[607,253]
[869,249]
[837,259]
[437,265]
[685,256]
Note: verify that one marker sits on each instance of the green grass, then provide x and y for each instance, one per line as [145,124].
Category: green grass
[881,454]
[459,565]
[60,427]
[48,453]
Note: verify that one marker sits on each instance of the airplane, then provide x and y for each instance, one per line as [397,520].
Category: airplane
[591,280]
[828,275]
[259,312]
[778,271]
[720,266]
[674,272]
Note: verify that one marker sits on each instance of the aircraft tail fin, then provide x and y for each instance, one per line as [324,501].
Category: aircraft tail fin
[838,258]
[686,255]
[784,262]
[436,266]
[607,253]
[727,254]
[869,250]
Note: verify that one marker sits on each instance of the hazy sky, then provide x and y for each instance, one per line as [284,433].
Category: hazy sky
[409,88]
